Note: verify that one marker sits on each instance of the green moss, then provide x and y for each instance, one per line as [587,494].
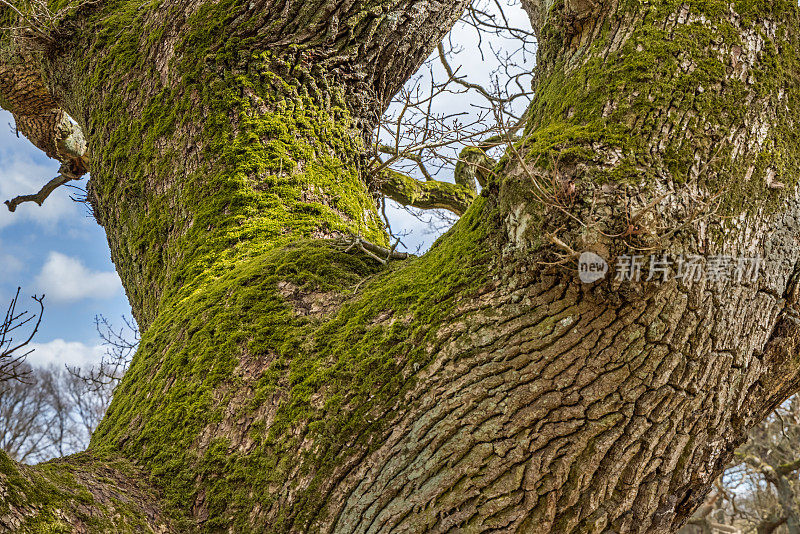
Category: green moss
[274,154]
[190,365]
[590,101]
[53,499]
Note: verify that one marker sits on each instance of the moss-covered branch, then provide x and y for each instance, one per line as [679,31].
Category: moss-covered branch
[431,194]
[789,467]
[80,493]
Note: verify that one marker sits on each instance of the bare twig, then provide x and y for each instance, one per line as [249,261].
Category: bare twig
[422,139]
[12,355]
[121,344]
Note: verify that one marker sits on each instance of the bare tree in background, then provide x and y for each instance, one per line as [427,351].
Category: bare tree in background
[52,414]
[49,412]
[14,338]
[22,417]
[759,492]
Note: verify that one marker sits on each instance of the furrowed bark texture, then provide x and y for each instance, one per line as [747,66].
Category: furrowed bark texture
[23,92]
[38,117]
[288,383]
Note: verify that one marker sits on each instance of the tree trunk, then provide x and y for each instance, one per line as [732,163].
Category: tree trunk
[287,383]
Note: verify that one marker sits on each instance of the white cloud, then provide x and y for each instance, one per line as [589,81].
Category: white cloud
[66,279]
[60,352]
[10,265]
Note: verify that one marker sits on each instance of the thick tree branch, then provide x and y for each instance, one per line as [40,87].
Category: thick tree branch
[80,493]
[432,194]
[474,166]
[38,113]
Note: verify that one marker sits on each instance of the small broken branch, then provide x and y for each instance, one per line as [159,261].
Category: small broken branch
[65,176]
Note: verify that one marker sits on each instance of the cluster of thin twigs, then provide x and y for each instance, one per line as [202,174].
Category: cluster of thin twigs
[35,19]
[121,344]
[441,111]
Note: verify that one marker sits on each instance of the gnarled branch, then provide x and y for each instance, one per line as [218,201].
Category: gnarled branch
[38,114]
[82,492]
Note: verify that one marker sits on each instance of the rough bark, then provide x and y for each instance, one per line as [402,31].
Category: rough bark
[78,494]
[288,383]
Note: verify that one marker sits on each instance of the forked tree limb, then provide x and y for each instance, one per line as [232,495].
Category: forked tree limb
[770,524]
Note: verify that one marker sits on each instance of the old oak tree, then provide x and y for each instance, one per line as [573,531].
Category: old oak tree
[288,381]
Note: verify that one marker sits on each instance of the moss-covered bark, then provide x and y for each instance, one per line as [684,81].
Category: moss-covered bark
[79,493]
[288,383]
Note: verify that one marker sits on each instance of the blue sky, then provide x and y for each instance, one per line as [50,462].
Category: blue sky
[57,249]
